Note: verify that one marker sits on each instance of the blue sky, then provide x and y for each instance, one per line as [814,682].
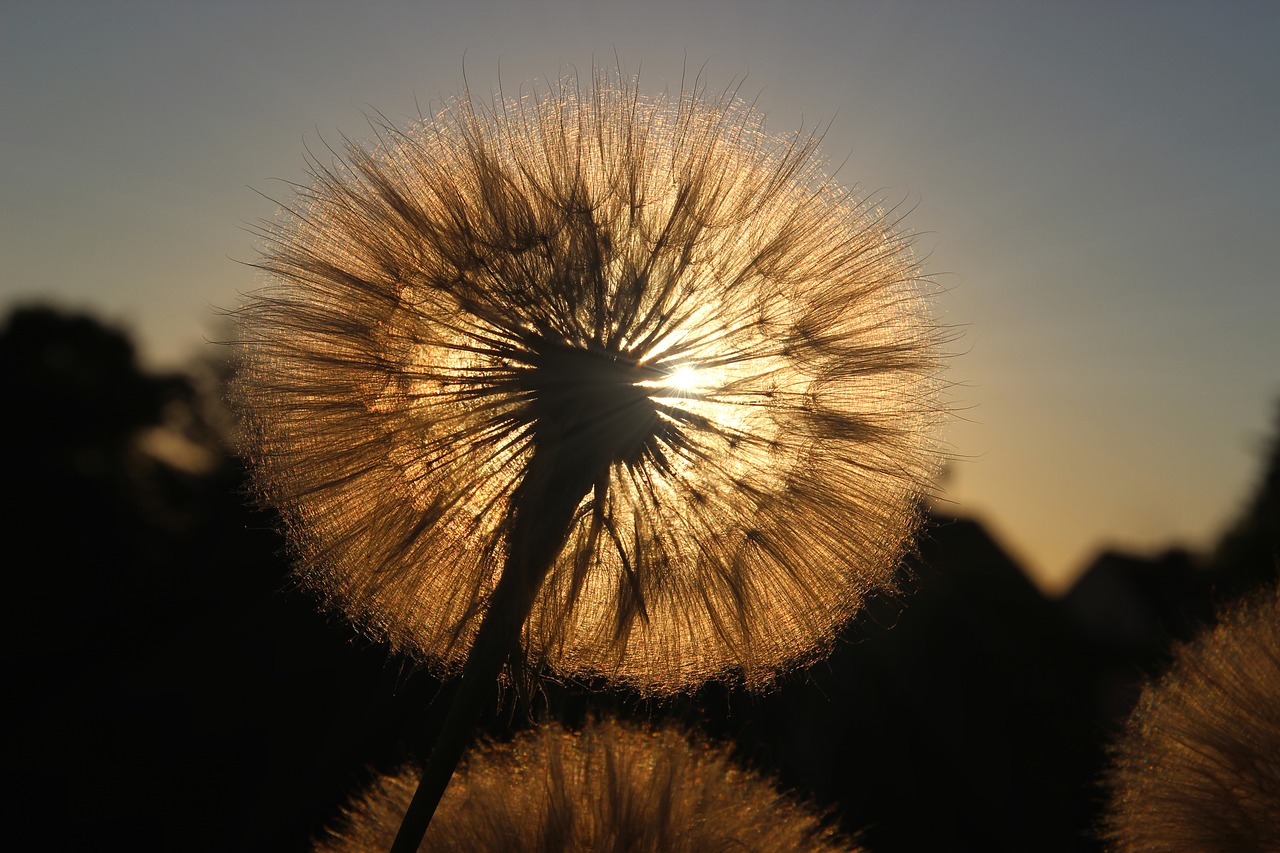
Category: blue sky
[1096,187]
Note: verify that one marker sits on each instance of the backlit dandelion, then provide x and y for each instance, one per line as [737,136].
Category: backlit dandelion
[1199,768]
[625,383]
[639,347]
[608,788]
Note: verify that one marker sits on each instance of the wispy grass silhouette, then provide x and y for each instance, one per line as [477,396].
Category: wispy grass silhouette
[608,788]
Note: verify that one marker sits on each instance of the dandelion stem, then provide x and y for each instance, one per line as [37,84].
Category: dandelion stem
[542,512]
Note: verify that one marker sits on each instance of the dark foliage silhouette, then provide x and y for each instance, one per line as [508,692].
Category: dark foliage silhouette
[168,678]
[1249,553]
[160,677]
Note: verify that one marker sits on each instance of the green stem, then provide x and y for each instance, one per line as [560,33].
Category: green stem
[541,516]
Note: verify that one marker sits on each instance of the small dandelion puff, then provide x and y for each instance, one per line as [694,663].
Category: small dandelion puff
[1199,766]
[610,787]
[637,346]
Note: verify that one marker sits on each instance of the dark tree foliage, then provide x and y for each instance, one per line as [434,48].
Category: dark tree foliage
[165,677]
[161,677]
[1249,554]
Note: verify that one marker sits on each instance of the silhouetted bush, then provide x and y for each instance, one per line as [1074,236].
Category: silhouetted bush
[167,678]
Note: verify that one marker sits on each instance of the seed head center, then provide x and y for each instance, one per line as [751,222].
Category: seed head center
[593,401]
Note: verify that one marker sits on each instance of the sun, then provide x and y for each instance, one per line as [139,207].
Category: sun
[683,379]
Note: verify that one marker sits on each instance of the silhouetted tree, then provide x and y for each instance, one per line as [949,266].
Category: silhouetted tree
[1249,553]
[165,675]
[161,675]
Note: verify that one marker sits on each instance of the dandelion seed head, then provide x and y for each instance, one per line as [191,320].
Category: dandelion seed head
[728,355]
[1199,766]
[609,787]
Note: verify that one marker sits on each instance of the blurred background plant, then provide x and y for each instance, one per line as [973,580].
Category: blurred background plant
[1199,765]
[608,787]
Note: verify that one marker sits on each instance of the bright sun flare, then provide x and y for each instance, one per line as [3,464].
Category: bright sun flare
[684,379]
[681,382]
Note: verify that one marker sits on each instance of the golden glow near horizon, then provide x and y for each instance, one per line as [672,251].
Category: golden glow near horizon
[1118,370]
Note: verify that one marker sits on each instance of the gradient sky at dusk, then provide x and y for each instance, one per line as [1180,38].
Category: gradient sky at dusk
[1097,188]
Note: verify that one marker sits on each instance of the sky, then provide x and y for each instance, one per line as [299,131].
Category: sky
[1095,188]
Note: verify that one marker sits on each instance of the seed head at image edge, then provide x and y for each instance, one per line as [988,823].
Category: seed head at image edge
[1199,765]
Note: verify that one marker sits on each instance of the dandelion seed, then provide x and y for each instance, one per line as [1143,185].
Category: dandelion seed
[1199,768]
[610,787]
[697,374]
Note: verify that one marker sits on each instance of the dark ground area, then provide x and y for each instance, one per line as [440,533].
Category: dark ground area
[168,690]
